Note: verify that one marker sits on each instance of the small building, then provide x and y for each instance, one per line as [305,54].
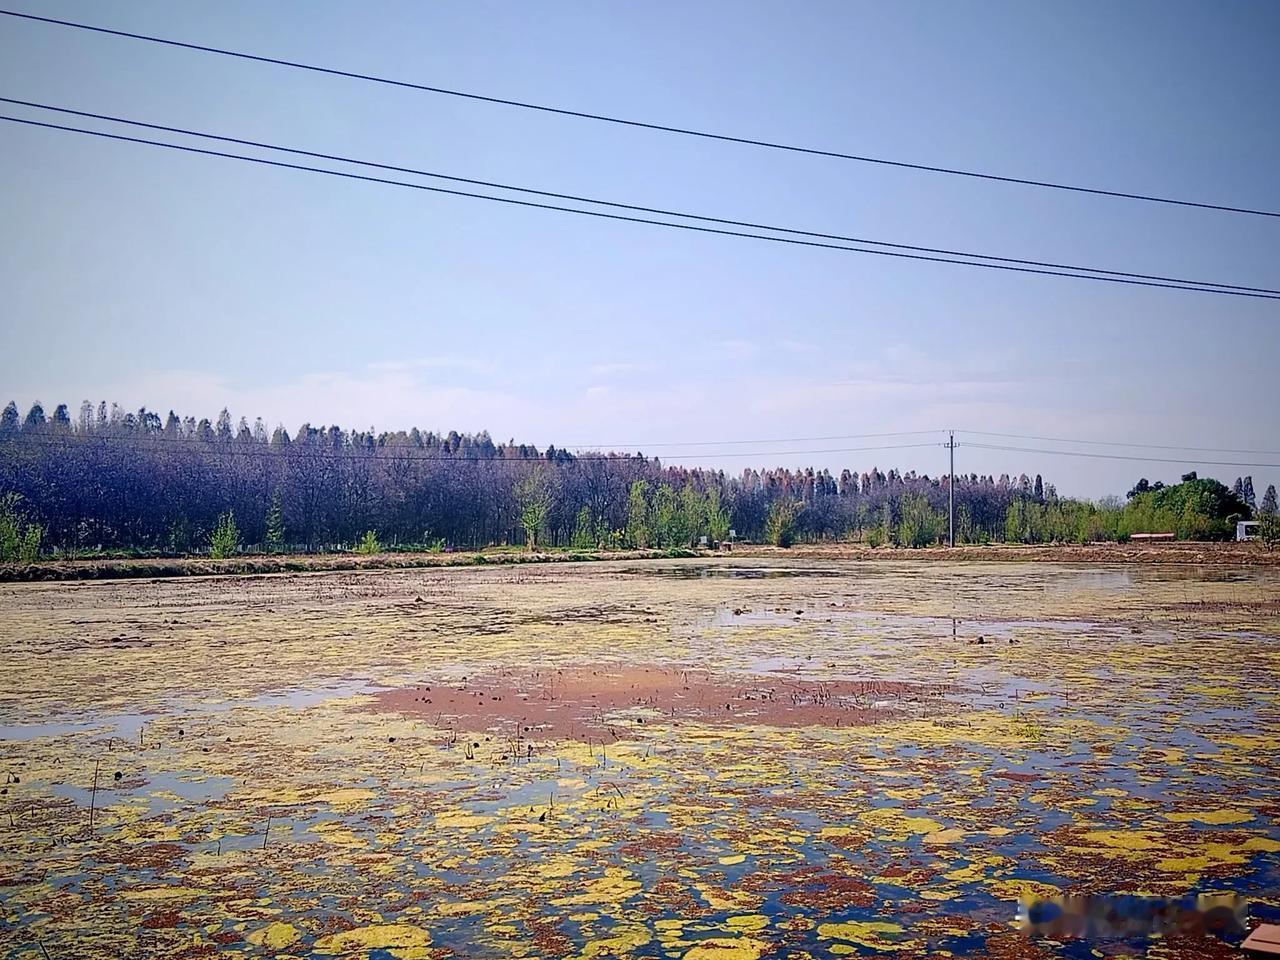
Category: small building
[1264,940]
[1246,530]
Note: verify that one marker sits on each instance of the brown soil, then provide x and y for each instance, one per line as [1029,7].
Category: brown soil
[602,701]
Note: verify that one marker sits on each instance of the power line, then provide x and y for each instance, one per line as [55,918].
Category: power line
[300,450]
[627,219]
[627,206]
[621,121]
[1117,456]
[1118,443]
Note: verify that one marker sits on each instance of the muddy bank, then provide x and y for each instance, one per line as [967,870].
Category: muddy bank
[617,701]
[1188,552]
[1197,554]
[301,563]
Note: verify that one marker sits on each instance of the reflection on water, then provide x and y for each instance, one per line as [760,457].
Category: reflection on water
[128,726]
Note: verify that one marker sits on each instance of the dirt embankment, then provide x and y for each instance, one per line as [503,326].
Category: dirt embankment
[1189,552]
[299,563]
[1208,554]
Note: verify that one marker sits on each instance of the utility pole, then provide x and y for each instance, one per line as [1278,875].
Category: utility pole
[951,490]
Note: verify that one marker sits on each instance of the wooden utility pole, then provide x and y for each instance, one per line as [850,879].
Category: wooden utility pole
[951,491]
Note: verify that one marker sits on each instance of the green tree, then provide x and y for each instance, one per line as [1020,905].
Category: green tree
[1269,500]
[9,420]
[964,524]
[1269,529]
[369,543]
[275,525]
[692,519]
[639,522]
[718,516]
[920,525]
[225,540]
[1015,523]
[780,525]
[535,495]
[20,539]
[584,531]
[1197,508]
[665,516]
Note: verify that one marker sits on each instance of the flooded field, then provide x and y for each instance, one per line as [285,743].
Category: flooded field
[709,760]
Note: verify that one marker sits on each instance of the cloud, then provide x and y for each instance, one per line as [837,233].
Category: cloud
[622,368]
[384,398]
[469,364]
[799,346]
[736,349]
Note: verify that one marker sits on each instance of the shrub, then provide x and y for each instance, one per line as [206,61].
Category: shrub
[275,525]
[920,526]
[875,536]
[780,527]
[369,543]
[225,540]
[1269,530]
[19,538]
[584,531]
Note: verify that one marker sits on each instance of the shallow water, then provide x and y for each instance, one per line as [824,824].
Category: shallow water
[1116,731]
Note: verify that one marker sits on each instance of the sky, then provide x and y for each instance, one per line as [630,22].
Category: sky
[153,278]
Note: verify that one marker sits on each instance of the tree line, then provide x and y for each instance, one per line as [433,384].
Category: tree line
[114,480]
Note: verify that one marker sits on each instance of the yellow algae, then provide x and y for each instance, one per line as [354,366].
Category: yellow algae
[617,885]
[966,874]
[557,869]
[1247,741]
[1212,691]
[333,832]
[865,933]
[749,922]
[724,948]
[1260,845]
[1184,864]
[1014,889]
[622,940]
[348,797]
[461,908]
[1137,840]
[407,941]
[950,835]
[840,832]
[731,859]
[1216,817]
[893,821]
[718,898]
[274,936]
[462,819]
[163,893]
[907,793]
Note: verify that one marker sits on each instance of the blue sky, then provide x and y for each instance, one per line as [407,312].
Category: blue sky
[152,278]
